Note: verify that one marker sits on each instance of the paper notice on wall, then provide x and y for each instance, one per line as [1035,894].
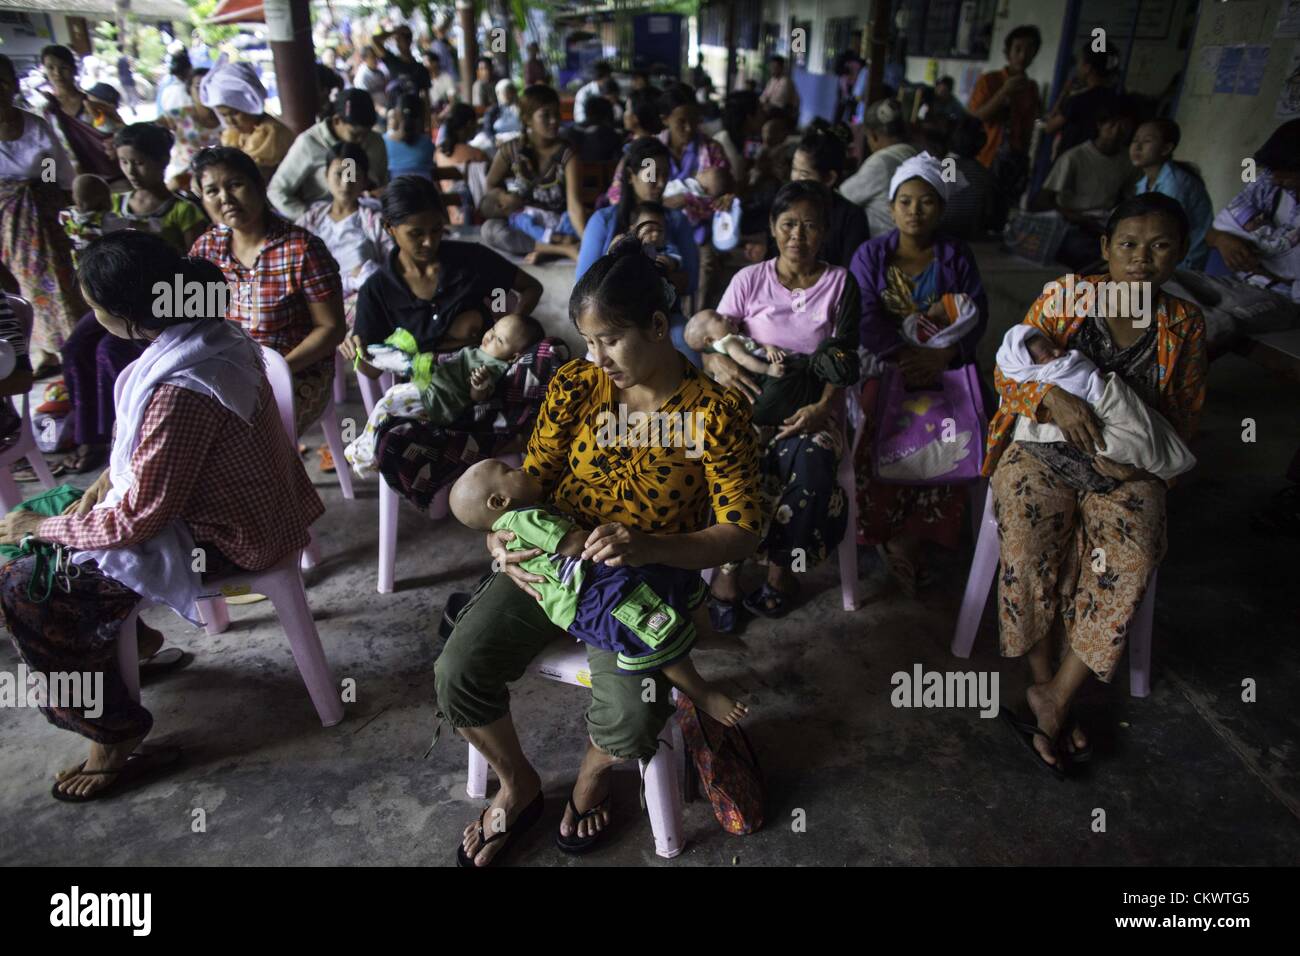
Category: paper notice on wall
[1288,97]
[1225,77]
[1250,74]
[1288,19]
[279,20]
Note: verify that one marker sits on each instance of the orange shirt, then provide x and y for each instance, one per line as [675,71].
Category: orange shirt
[1016,116]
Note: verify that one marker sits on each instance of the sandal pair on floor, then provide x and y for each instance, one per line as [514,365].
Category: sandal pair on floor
[527,819]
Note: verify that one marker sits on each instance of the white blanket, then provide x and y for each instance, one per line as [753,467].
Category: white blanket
[1134,433]
[214,358]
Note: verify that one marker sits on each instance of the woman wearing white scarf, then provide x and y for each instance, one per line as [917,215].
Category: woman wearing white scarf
[236,93]
[201,480]
[943,175]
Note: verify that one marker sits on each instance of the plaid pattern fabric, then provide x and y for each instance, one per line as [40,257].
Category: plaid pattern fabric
[241,489]
[293,269]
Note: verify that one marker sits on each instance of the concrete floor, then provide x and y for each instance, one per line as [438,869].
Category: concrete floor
[1190,775]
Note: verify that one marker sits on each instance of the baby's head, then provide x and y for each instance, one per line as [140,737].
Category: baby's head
[510,336]
[649,223]
[1041,350]
[706,328]
[488,490]
[716,181]
[91,194]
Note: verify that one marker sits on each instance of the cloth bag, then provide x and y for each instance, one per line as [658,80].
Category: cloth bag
[929,436]
[727,768]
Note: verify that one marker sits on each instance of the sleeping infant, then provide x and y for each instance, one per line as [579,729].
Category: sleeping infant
[649,615]
[1134,433]
[438,392]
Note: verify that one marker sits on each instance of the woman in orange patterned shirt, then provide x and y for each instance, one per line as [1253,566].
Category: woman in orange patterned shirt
[1080,535]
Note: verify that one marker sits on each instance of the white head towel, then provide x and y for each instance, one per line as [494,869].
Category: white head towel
[946,179]
[234,85]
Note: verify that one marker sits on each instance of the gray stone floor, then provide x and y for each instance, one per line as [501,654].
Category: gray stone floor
[1190,775]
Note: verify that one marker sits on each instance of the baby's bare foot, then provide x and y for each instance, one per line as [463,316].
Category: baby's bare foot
[723,709]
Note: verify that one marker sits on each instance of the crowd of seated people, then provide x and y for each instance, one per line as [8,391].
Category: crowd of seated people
[779,279]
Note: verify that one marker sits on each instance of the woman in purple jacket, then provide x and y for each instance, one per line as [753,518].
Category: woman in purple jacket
[905,271]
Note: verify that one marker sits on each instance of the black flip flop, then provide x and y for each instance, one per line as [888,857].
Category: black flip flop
[575,844]
[768,602]
[527,818]
[1026,732]
[165,661]
[139,765]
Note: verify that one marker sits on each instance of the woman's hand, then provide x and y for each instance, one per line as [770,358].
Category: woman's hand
[1120,471]
[350,348]
[91,496]
[1076,419]
[806,421]
[17,524]
[724,370]
[723,202]
[618,546]
[674,202]
[1239,255]
[921,367]
[508,562]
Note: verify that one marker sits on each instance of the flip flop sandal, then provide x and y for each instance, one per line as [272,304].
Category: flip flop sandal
[326,459]
[526,820]
[168,659]
[138,766]
[722,615]
[576,845]
[1026,732]
[768,602]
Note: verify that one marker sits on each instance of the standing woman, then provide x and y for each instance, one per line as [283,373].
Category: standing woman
[35,177]
[74,116]
[289,295]
[539,171]
[907,270]
[199,460]
[1006,101]
[236,93]
[92,358]
[196,126]
[802,304]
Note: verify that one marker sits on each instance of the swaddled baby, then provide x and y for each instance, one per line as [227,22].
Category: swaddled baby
[438,392]
[1134,433]
[647,615]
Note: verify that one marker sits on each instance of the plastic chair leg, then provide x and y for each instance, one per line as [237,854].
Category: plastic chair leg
[285,590]
[438,509]
[663,798]
[311,553]
[848,555]
[388,505]
[340,379]
[128,652]
[39,465]
[215,614]
[329,424]
[11,496]
[1139,642]
[983,567]
[476,779]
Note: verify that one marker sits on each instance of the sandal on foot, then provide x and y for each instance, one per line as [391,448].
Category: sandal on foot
[165,661]
[139,765]
[575,844]
[326,459]
[1026,732]
[768,602]
[527,818]
[722,615]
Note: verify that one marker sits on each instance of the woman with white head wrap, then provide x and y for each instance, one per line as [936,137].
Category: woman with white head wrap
[236,93]
[913,269]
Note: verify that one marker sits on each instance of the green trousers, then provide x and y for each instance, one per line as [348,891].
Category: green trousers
[498,634]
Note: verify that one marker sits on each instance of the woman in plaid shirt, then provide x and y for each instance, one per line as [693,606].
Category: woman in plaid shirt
[288,294]
[200,466]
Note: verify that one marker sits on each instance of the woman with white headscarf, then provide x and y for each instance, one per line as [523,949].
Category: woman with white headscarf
[236,93]
[909,270]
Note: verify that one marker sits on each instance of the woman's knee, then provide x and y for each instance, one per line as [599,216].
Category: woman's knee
[627,713]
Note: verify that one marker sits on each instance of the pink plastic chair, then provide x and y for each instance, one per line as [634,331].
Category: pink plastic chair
[25,446]
[984,568]
[340,379]
[664,775]
[283,585]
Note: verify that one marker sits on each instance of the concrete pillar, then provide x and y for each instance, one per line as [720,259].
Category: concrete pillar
[288,27]
[468,50]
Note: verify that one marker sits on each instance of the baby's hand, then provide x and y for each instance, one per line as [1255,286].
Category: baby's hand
[937,311]
[480,384]
[776,369]
[774,354]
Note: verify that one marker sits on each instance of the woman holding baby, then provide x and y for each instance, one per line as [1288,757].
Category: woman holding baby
[801,316]
[1064,507]
[912,272]
[686,507]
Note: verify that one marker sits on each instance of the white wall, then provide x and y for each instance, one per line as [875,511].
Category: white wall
[1221,129]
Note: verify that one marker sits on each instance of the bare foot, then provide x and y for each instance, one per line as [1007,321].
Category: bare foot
[77,782]
[1048,712]
[499,816]
[590,791]
[723,709]
[1077,740]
